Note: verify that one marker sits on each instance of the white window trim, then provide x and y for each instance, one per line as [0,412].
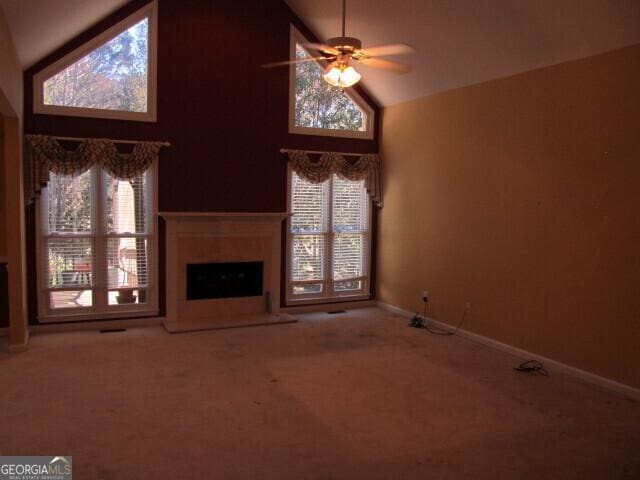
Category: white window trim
[327,295]
[369,114]
[151,11]
[99,310]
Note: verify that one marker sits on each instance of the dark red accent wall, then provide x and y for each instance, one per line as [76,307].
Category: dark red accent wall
[226,117]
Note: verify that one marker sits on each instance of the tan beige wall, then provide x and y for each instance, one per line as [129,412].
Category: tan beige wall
[10,105]
[522,196]
[11,99]
[10,73]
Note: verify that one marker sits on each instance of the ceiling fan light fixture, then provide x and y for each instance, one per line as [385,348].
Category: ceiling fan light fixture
[349,77]
[341,75]
[341,51]
[332,75]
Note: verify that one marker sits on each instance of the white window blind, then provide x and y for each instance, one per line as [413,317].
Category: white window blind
[126,205]
[96,245]
[127,236]
[328,239]
[308,257]
[309,201]
[70,262]
[70,203]
[350,206]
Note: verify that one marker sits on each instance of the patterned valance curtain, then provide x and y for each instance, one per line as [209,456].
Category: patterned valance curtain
[366,167]
[47,155]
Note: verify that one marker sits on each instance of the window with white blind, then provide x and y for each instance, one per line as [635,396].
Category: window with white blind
[328,240]
[96,246]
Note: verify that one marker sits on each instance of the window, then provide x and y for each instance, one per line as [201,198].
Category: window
[328,241]
[317,108]
[96,246]
[112,76]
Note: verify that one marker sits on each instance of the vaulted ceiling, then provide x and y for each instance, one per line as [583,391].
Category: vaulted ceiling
[38,27]
[461,42]
[458,42]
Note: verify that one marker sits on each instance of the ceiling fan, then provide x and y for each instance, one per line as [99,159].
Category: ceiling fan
[343,52]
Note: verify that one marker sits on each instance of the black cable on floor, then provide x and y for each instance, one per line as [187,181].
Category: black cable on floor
[532,366]
[436,330]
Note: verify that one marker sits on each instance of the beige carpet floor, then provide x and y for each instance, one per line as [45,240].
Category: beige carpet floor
[347,396]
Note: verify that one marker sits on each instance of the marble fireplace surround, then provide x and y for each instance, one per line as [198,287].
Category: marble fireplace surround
[211,237]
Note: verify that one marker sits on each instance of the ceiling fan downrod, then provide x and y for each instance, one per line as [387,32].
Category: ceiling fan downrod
[345,45]
[344,16]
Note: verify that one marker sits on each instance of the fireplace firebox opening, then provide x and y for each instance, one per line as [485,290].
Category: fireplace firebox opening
[224,280]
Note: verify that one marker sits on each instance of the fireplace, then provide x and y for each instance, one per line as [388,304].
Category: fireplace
[222,270]
[224,280]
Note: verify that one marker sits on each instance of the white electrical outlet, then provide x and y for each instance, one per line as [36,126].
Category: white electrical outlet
[425,294]
[467,307]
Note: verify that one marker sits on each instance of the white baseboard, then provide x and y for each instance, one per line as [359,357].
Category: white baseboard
[323,307]
[549,363]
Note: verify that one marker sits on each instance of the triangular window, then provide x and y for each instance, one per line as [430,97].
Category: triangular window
[317,108]
[111,76]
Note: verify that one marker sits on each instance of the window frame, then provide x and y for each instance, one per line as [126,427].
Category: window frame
[100,309]
[367,111]
[328,295]
[149,11]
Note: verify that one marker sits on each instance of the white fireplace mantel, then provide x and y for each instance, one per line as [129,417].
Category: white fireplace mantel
[211,237]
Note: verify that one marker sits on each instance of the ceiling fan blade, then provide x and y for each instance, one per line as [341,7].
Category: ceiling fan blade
[321,47]
[300,60]
[392,49]
[394,67]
